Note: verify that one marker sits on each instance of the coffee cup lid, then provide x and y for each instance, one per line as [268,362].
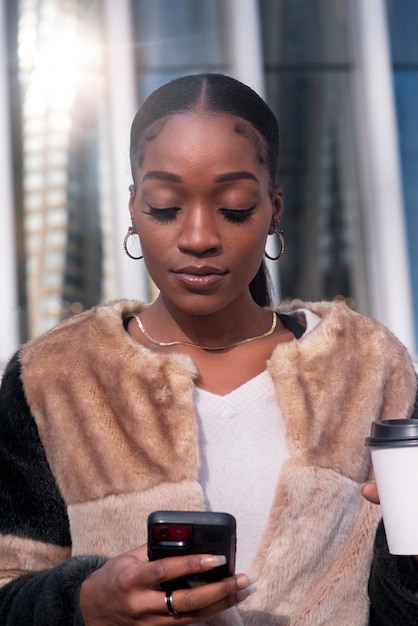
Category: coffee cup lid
[393,433]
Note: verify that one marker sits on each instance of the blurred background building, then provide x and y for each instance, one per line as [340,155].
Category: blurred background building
[342,77]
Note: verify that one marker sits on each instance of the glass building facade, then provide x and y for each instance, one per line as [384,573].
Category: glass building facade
[76,71]
[402,21]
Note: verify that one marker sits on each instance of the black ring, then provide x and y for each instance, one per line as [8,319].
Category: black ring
[169,603]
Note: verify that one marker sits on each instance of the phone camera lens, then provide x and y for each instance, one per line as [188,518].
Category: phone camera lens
[172,532]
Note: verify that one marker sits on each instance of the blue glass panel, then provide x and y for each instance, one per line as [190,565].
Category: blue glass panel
[403,27]
[181,33]
[406,89]
[402,18]
[304,32]
[320,189]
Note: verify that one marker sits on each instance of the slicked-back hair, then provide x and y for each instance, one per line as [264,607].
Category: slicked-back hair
[220,94]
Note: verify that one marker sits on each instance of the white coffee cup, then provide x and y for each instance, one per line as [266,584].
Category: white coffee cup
[394,450]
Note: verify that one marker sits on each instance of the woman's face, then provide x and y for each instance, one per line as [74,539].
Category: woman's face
[203,207]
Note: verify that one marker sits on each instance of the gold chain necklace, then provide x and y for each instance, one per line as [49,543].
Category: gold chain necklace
[164,344]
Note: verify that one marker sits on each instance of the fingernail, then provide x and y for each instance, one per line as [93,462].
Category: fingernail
[244,593]
[213,561]
[242,581]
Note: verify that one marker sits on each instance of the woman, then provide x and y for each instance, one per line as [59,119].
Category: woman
[204,399]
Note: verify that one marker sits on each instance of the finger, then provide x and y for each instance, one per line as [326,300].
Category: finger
[163,570]
[223,605]
[206,600]
[369,491]
[191,605]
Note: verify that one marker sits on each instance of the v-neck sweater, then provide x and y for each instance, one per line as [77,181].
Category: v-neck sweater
[242,439]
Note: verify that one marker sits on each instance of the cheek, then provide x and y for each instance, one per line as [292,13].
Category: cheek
[159,249]
[153,253]
[247,256]
[154,238]
[250,245]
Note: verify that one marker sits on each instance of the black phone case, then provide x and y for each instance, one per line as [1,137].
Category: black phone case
[210,533]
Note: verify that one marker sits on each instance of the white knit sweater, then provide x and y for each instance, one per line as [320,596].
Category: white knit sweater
[243,445]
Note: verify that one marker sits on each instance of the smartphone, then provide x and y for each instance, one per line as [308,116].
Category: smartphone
[176,533]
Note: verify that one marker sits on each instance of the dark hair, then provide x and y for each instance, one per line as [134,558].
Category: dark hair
[222,94]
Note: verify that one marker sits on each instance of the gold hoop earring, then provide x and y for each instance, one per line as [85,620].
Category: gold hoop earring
[279,234]
[130,232]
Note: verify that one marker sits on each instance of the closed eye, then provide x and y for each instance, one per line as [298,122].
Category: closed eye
[237,215]
[167,214]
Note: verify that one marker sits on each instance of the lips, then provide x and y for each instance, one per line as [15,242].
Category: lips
[200,278]
[204,270]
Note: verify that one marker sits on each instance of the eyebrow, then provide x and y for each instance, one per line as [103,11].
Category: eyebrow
[222,178]
[159,175]
[231,176]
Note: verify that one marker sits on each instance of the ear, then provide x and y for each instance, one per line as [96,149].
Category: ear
[277,204]
[132,194]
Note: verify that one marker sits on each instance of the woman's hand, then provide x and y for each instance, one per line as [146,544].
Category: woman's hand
[126,591]
[369,491]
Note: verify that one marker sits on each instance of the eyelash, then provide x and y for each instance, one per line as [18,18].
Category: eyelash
[162,215]
[236,216]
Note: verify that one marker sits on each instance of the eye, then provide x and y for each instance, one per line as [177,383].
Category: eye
[162,215]
[238,215]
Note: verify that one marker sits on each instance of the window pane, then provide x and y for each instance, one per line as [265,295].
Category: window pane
[304,32]
[402,18]
[184,32]
[317,172]
[403,25]
[58,82]
[308,79]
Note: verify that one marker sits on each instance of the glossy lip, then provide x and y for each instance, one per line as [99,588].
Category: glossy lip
[203,270]
[201,278]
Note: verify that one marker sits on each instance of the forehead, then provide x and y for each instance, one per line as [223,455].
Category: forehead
[204,134]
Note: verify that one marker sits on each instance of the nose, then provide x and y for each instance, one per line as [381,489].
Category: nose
[199,232]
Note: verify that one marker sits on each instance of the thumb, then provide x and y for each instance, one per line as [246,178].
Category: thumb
[369,491]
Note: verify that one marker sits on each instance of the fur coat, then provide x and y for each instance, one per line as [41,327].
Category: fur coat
[97,431]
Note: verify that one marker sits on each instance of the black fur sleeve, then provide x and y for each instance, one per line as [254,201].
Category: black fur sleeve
[32,507]
[393,586]
[30,503]
[47,598]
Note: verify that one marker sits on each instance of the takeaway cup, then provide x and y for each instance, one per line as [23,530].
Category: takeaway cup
[394,450]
